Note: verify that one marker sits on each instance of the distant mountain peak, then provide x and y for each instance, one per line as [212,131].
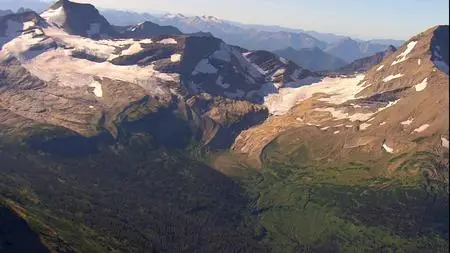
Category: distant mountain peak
[78,19]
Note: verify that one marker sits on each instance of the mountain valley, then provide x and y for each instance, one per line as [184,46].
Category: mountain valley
[162,137]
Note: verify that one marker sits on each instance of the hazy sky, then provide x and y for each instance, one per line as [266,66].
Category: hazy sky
[396,19]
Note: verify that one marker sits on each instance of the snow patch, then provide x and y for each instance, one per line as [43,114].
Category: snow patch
[364,126]
[339,90]
[133,49]
[175,58]
[392,77]
[324,128]
[380,67]
[55,16]
[402,57]
[421,128]
[98,91]
[387,148]
[339,115]
[444,142]
[419,61]
[336,132]
[421,86]
[204,67]
[27,25]
[407,122]
[168,41]
[383,123]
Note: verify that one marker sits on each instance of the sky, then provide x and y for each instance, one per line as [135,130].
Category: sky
[366,19]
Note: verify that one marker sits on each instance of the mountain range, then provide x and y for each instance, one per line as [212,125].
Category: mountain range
[254,37]
[150,138]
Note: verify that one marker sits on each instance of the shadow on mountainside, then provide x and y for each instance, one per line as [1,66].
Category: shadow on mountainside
[15,234]
[147,200]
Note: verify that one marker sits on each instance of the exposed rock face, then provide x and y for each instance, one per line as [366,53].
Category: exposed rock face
[398,106]
[55,73]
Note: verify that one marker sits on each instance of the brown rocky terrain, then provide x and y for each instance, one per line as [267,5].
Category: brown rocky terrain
[396,109]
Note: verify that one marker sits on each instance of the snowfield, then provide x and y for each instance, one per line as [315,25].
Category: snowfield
[421,86]
[98,91]
[175,58]
[402,57]
[421,128]
[380,67]
[392,77]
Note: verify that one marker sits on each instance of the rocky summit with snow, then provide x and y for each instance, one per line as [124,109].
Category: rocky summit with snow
[133,138]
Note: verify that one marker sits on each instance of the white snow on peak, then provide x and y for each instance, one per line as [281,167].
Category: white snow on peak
[175,58]
[94,29]
[402,57]
[392,77]
[98,91]
[421,86]
[444,142]
[55,16]
[380,67]
[407,122]
[421,128]
[168,41]
[387,148]
[204,67]
[223,53]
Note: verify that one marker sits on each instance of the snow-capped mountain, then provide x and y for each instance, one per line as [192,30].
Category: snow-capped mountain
[399,106]
[79,76]
[59,74]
